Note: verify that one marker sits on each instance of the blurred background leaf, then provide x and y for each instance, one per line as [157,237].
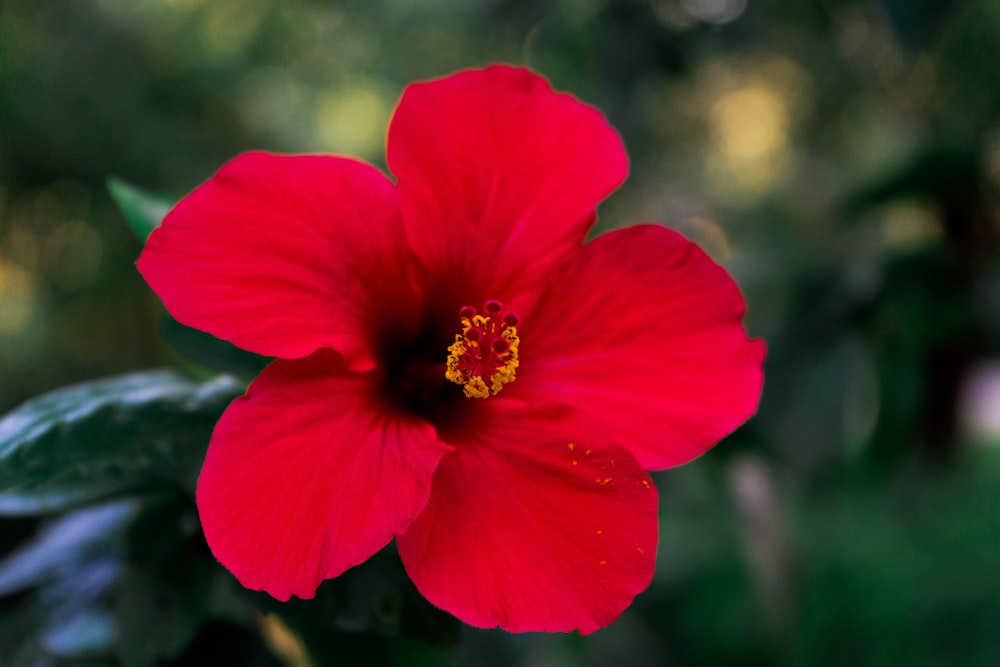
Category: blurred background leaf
[203,350]
[143,211]
[62,582]
[85,441]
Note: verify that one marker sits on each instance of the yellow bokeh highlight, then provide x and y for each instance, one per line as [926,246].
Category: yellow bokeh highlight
[749,123]
[749,138]
[283,641]
[18,297]
[748,108]
[352,120]
[910,224]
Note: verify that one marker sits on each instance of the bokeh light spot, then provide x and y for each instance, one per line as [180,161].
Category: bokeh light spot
[748,129]
[979,405]
[717,12]
[993,157]
[749,123]
[228,29]
[352,120]
[907,225]
[17,298]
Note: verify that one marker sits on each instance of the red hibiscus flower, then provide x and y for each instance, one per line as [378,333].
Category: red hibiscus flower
[455,368]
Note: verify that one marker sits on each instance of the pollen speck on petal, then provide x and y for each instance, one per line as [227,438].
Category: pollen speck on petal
[544,562]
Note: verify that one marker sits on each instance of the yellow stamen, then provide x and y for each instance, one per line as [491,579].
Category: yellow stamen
[483,357]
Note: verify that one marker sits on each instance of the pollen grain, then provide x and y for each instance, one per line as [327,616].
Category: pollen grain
[483,357]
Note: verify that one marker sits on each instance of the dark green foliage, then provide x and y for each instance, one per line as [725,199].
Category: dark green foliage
[143,211]
[126,433]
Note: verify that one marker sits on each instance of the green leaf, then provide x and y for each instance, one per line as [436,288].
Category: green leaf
[88,534]
[41,502]
[166,529]
[80,443]
[160,610]
[64,580]
[376,597]
[143,210]
[63,625]
[206,350]
[88,634]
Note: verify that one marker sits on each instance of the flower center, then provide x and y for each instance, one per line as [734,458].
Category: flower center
[483,357]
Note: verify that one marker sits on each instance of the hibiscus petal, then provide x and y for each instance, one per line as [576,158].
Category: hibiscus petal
[642,332]
[498,175]
[533,531]
[285,255]
[307,476]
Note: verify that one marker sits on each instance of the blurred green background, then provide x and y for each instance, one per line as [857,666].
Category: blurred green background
[841,158]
